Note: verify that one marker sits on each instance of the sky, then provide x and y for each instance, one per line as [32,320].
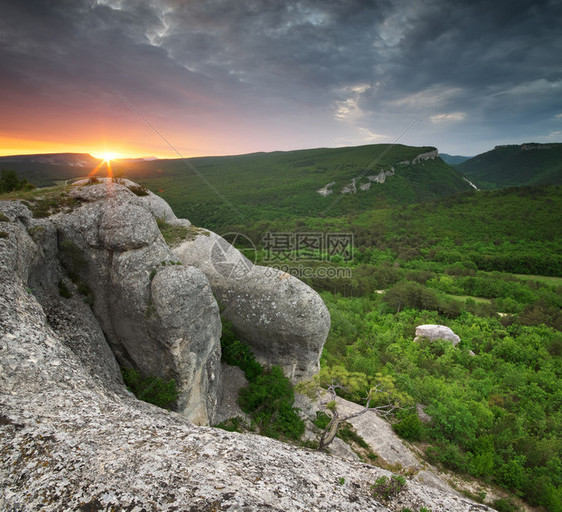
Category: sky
[215,77]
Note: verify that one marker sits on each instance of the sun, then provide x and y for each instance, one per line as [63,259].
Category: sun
[107,156]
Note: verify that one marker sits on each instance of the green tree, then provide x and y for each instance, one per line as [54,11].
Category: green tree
[268,400]
[408,294]
[329,381]
[9,182]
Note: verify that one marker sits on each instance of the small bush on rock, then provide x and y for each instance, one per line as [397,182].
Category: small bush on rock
[138,190]
[386,488]
[502,505]
[269,397]
[236,424]
[173,234]
[154,390]
[409,427]
[236,353]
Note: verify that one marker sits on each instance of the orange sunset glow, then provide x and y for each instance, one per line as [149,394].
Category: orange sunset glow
[172,78]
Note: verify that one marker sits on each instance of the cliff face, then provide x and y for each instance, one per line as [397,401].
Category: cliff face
[72,437]
[154,308]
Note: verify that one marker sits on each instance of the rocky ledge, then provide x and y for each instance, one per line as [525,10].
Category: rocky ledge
[73,438]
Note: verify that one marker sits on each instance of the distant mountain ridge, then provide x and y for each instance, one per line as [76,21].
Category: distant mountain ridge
[454,159]
[515,165]
[66,159]
[288,184]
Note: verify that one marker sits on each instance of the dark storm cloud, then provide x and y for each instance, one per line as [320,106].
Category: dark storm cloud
[481,44]
[360,65]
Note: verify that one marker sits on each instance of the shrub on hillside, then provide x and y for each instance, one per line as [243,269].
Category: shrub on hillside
[269,397]
[269,401]
[409,427]
[9,182]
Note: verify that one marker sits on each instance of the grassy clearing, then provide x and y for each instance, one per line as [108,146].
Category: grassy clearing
[175,234]
[34,194]
[551,280]
[44,202]
[464,298]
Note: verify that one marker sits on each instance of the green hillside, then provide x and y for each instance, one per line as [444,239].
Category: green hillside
[285,184]
[48,169]
[515,230]
[516,165]
[213,190]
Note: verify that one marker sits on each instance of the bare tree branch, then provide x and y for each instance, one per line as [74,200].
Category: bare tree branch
[335,420]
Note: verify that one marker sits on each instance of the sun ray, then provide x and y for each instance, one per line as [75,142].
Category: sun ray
[95,170]
[106,158]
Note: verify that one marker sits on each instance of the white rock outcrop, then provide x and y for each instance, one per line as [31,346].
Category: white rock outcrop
[327,189]
[381,176]
[436,332]
[429,155]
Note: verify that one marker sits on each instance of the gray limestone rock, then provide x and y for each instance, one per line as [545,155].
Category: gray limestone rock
[189,326]
[284,320]
[160,209]
[341,449]
[379,435]
[126,227]
[233,379]
[20,251]
[156,315]
[422,415]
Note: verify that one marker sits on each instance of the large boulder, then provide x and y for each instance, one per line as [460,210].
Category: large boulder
[158,316]
[284,320]
[436,332]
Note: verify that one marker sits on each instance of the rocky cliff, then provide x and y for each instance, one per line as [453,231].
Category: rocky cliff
[96,285]
[155,308]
